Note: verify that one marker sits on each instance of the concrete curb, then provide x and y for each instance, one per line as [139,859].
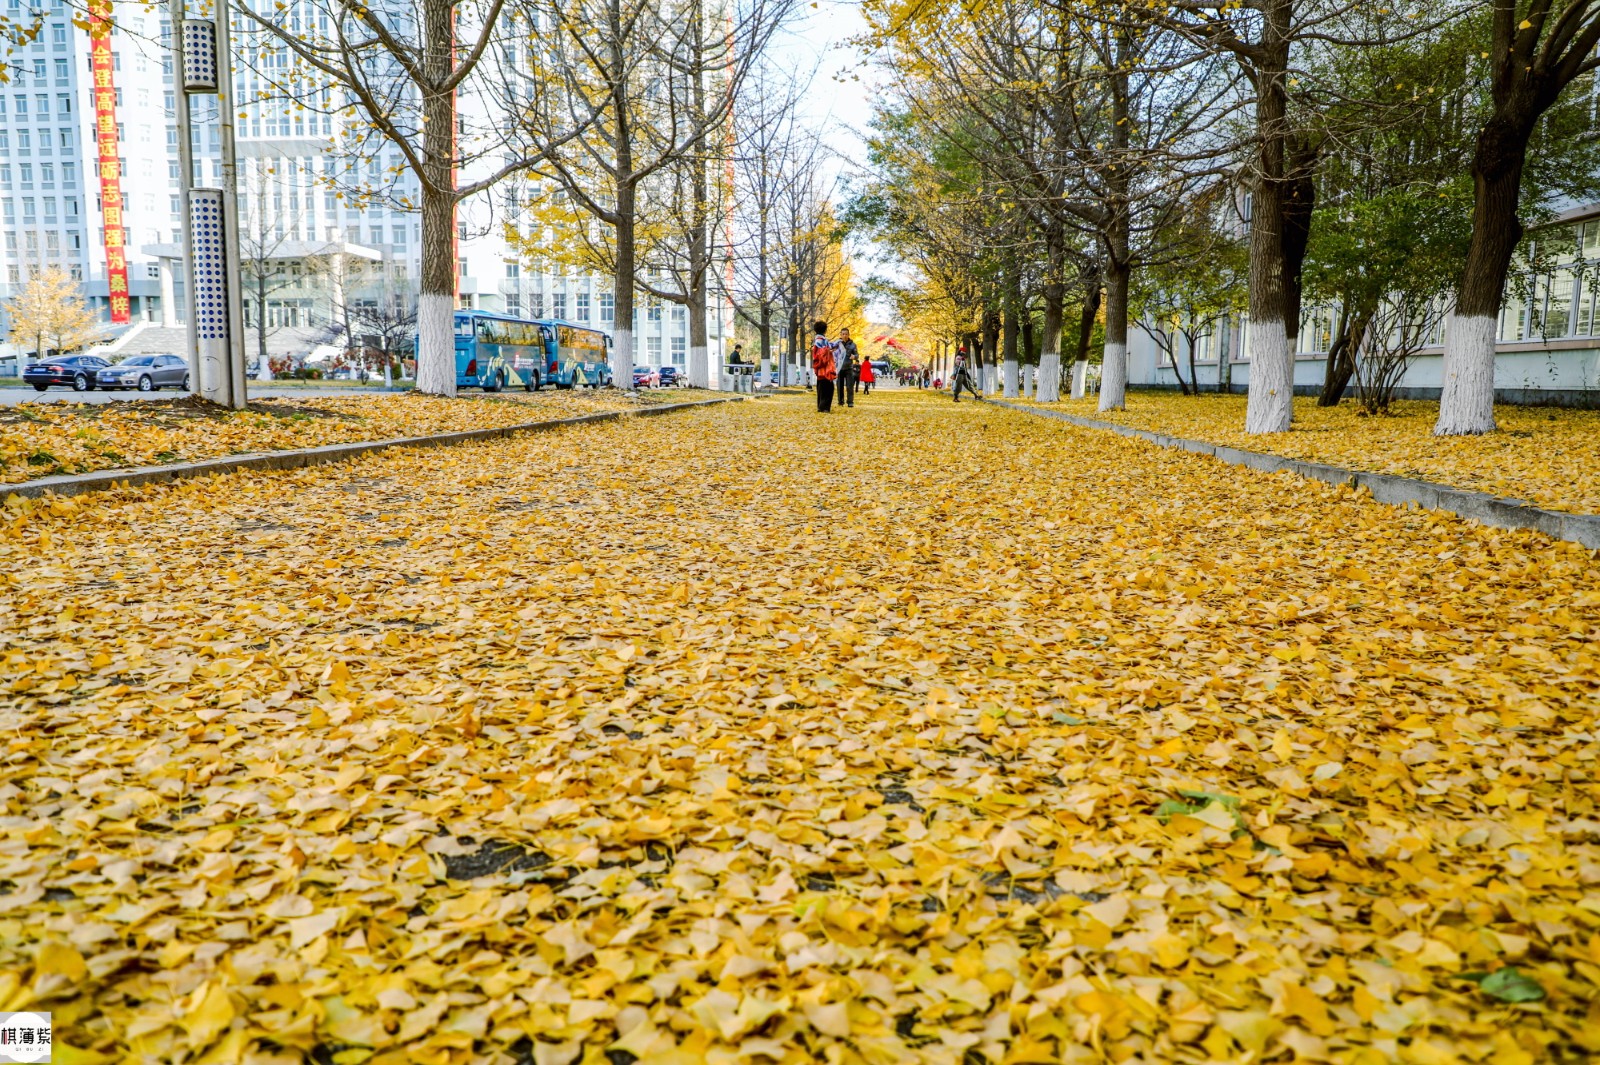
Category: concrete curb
[1384,488]
[77,484]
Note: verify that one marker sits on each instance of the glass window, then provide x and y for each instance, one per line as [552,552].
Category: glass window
[558,305]
[679,348]
[1558,310]
[608,307]
[652,350]
[582,313]
[1511,318]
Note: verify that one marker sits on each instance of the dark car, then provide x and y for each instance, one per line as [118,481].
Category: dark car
[646,377]
[146,373]
[669,376]
[79,371]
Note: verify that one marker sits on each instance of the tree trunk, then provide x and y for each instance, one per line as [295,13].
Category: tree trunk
[1011,323]
[1080,364]
[989,351]
[1466,404]
[436,300]
[1047,387]
[1271,403]
[436,342]
[261,324]
[1171,351]
[765,334]
[1114,364]
[1341,364]
[700,369]
[622,290]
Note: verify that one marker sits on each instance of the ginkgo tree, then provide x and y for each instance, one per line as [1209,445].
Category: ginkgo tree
[620,95]
[396,74]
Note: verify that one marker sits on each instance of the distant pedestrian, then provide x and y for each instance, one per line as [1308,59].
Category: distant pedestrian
[961,377]
[823,367]
[847,360]
[868,376]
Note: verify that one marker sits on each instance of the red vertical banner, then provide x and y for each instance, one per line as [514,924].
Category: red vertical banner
[101,66]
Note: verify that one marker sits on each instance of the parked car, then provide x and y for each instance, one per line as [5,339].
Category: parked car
[646,377]
[670,376]
[147,373]
[76,370]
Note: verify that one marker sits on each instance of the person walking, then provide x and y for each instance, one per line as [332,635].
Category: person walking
[823,367]
[961,377]
[868,376]
[848,363]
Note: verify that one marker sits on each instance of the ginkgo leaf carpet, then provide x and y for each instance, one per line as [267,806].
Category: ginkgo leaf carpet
[909,733]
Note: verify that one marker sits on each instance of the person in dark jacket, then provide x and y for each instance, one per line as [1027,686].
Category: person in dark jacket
[961,377]
[823,367]
[848,359]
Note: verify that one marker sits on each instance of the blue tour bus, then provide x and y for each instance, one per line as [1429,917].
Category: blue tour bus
[498,351]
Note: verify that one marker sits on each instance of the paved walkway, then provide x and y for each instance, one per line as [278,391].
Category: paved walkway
[909,733]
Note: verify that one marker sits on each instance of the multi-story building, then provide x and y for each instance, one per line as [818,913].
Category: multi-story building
[51,209]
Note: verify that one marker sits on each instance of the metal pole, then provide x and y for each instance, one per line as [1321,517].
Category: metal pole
[226,107]
[180,104]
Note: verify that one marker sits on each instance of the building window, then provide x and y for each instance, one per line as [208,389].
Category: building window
[652,310]
[583,307]
[558,305]
[461,265]
[513,270]
[679,348]
[679,312]
[514,304]
[608,307]
[399,234]
[652,350]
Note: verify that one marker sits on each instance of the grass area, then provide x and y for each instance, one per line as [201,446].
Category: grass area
[1544,455]
[1038,745]
[46,439]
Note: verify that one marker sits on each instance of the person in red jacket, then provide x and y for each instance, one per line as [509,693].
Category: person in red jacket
[824,367]
[867,376]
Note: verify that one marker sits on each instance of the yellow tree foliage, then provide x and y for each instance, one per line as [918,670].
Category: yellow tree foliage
[50,314]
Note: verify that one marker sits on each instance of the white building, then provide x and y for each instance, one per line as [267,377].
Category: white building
[51,210]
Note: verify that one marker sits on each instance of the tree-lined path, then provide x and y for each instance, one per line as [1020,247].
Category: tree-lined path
[746,734]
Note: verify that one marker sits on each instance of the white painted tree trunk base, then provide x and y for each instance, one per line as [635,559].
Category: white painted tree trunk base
[622,359]
[1009,379]
[1270,408]
[699,367]
[436,344]
[1114,378]
[1466,403]
[1047,387]
[1080,378]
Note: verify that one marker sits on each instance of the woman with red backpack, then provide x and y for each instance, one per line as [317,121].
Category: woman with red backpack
[823,365]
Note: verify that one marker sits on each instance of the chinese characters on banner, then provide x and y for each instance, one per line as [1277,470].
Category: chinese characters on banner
[101,65]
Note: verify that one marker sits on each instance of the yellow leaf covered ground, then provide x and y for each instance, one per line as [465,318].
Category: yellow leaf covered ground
[1544,455]
[749,734]
[46,439]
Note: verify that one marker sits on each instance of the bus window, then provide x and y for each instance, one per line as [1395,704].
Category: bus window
[464,325]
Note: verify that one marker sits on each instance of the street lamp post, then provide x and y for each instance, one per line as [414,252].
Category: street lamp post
[211,216]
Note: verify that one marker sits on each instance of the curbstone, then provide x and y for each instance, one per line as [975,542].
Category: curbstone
[1384,488]
[99,481]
